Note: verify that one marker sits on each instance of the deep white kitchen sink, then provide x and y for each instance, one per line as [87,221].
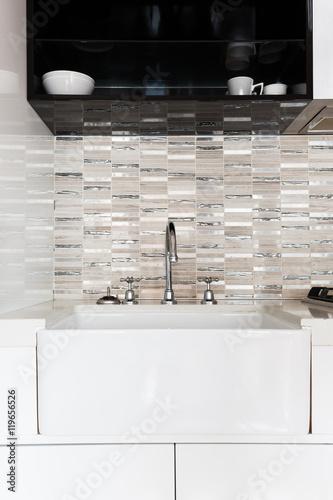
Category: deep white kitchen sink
[120,317]
[164,371]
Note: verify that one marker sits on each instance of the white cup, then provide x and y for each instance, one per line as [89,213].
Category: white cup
[275,89]
[242,85]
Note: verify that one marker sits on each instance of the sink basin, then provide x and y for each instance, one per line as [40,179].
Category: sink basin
[192,317]
[165,372]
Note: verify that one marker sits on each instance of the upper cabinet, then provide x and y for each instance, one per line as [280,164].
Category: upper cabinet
[169,50]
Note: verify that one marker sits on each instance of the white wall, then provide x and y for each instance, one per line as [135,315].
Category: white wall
[26,176]
[322,49]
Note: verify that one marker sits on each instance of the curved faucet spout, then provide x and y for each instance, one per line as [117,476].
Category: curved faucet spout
[170,256]
[171,242]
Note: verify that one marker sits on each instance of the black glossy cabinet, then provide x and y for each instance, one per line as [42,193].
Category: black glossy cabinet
[169,50]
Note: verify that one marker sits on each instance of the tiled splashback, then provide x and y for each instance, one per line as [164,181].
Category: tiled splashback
[256,212]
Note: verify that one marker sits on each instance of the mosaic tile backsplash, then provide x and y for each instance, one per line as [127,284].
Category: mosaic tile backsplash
[254,211]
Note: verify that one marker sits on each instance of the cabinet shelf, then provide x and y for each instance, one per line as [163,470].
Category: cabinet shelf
[171,94]
[193,66]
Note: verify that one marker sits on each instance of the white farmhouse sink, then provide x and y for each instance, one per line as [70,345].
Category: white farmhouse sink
[120,317]
[172,371]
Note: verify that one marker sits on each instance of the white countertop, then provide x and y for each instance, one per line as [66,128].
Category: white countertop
[18,328]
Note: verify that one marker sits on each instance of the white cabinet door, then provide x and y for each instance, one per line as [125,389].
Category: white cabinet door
[100,472]
[254,472]
[322,49]
[18,373]
[322,390]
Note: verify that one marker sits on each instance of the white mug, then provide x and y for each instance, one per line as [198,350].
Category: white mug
[242,85]
[275,89]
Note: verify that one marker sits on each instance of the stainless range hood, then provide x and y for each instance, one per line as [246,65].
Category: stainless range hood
[322,122]
[316,118]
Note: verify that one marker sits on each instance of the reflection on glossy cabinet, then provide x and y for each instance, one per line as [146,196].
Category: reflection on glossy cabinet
[254,471]
[101,472]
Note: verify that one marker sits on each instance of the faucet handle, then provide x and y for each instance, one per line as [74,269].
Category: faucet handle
[129,294]
[129,280]
[209,294]
[207,280]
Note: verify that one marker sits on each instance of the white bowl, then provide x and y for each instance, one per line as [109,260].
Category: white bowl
[70,84]
[275,89]
[67,74]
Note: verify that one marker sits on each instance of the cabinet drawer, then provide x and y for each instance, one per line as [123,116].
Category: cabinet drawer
[254,471]
[70,472]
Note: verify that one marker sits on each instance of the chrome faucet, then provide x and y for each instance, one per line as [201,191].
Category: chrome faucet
[170,256]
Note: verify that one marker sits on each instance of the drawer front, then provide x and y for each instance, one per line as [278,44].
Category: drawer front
[254,472]
[72,472]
